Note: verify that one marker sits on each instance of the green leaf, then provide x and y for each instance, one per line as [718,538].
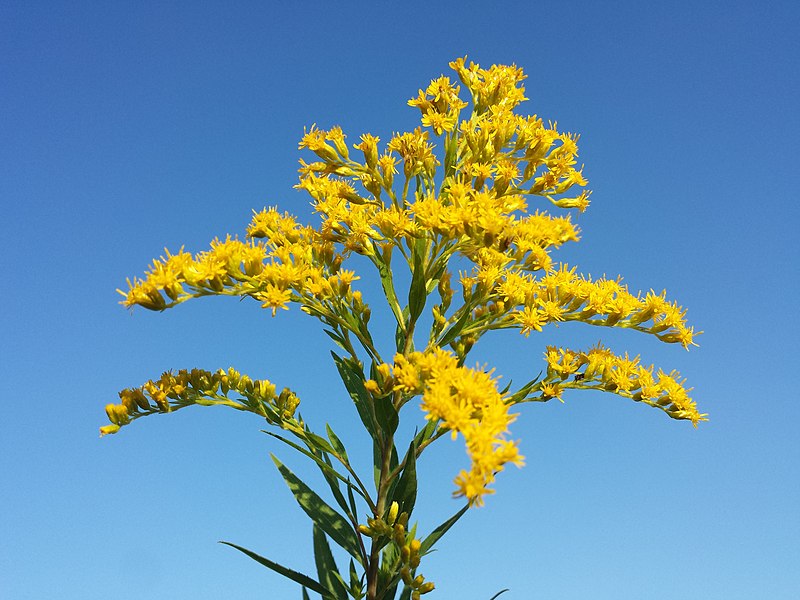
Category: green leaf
[426,432]
[330,521]
[437,533]
[377,461]
[352,499]
[303,580]
[319,442]
[326,468]
[387,282]
[353,380]
[337,444]
[333,483]
[391,590]
[498,593]
[523,392]
[455,329]
[356,583]
[405,491]
[305,594]
[388,575]
[400,339]
[406,593]
[417,293]
[386,415]
[327,571]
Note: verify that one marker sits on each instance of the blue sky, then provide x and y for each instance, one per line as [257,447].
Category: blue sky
[125,130]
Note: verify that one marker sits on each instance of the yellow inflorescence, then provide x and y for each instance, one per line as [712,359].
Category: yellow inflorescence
[184,388]
[599,368]
[467,197]
[295,265]
[562,295]
[465,401]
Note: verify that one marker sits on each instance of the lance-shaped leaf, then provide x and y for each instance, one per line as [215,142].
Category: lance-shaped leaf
[327,571]
[330,521]
[417,293]
[498,593]
[404,491]
[454,330]
[330,473]
[426,433]
[356,582]
[337,444]
[353,380]
[377,461]
[382,262]
[303,580]
[386,415]
[437,533]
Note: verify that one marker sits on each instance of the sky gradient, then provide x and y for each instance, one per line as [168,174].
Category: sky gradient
[127,130]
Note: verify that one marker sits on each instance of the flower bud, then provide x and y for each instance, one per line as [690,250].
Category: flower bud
[117,414]
[384,370]
[392,511]
[369,146]
[108,429]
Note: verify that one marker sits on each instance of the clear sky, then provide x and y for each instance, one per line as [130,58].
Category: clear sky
[125,130]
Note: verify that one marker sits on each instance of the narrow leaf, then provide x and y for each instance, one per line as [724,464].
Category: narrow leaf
[455,329]
[337,444]
[405,492]
[354,383]
[338,340]
[330,521]
[437,533]
[386,415]
[417,293]
[426,432]
[326,565]
[333,483]
[352,499]
[355,581]
[387,282]
[326,468]
[319,442]
[303,580]
[498,593]
[377,461]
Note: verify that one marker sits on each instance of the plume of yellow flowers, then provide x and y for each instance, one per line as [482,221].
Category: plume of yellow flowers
[463,401]
[448,202]
[203,388]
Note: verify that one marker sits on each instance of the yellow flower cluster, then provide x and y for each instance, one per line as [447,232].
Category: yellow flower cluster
[599,368]
[492,160]
[475,206]
[439,105]
[561,295]
[465,401]
[178,390]
[497,86]
[294,264]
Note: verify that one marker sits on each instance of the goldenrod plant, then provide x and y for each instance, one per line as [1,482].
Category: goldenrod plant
[452,194]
